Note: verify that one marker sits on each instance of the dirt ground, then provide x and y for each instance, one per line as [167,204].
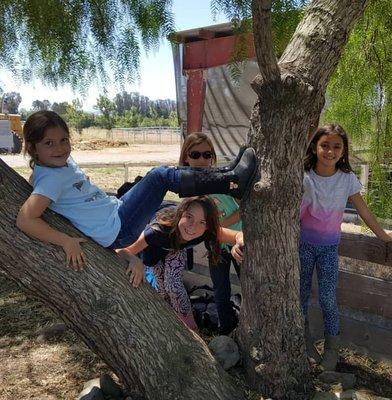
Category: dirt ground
[58,368]
[162,154]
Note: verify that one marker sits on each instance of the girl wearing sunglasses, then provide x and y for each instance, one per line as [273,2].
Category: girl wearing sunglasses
[198,152]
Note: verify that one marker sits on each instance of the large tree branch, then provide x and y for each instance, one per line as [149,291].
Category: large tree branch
[262,31]
[316,46]
[133,330]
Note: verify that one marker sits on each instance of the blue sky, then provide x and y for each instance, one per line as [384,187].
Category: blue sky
[153,83]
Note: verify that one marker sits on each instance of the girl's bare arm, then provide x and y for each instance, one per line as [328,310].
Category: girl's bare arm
[368,217]
[30,222]
[136,268]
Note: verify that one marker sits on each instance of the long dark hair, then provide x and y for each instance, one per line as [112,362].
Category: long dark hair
[170,217]
[194,139]
[311,156]
[34,130]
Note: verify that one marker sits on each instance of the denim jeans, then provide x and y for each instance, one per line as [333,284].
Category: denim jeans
[220,276]
[141,202]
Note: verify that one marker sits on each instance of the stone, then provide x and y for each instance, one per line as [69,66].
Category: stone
[51,331]
[325,396]
[225,350]
[110,388]
[91,393]
[360,395]
[91,383]
[347,380]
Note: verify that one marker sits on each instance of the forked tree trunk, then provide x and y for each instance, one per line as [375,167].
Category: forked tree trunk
[133,330]
[291,96]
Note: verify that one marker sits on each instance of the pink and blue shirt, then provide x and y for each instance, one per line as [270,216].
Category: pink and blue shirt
[323,205]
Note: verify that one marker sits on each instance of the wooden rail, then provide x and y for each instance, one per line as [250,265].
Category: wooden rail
[365,302]
[366,248]
[125,165]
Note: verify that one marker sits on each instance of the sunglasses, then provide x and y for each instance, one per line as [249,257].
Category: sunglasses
[195,155]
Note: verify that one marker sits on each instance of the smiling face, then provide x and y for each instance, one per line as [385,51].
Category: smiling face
[329,151]
[193,223]
[54,149]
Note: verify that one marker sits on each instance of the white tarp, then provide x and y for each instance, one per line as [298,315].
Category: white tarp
[228,104]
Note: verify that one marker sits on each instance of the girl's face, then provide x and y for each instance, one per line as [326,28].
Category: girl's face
[54,149]
[193,223]
[199,156]
[329,150]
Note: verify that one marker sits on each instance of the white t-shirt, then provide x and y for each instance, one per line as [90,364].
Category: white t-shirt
[323,205]
[88,208]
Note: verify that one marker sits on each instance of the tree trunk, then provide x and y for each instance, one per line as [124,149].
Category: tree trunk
[133,330]
[290,99]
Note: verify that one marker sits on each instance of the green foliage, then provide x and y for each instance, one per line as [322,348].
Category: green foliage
[360,98]
[40,105]
[10,102]
[107,108]
[127,101]
[285,18]
[76,117]
[74,42]
[286,15]
[60,108]
[126,110]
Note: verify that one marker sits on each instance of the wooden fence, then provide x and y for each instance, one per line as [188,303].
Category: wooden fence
[365,302]
[126,165]
[152,135]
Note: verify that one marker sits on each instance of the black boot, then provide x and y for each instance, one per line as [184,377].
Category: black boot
[199,181]
[232,164]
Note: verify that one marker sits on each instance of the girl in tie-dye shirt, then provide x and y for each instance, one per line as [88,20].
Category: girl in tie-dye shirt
[328,183]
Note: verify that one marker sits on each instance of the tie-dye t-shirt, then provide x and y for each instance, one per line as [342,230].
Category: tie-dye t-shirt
[323,204]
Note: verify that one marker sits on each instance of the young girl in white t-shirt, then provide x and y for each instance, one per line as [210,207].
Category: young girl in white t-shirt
[59,184]
[328,183]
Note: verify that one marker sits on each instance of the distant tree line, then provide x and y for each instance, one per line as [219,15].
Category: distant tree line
[126,110]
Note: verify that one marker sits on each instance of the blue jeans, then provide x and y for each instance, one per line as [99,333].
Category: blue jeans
[141,202]
[326,261]
[220,276]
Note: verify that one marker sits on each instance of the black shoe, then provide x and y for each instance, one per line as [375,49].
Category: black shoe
[200,181]
[232,164]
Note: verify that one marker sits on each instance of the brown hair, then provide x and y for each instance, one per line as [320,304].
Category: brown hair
[193,139]
[170,217]
[34,130]
[330,129]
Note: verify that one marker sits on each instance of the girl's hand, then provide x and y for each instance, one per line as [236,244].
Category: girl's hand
[76,259]
[237,253]
[137,270]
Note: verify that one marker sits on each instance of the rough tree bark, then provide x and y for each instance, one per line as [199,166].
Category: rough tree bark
[133,330]
[290,99]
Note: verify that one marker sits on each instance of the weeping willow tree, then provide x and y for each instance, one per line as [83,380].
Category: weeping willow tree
[360,98]
[81,41]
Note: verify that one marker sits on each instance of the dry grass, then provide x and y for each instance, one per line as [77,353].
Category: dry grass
[373,375]
[58,370]
[33,370]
